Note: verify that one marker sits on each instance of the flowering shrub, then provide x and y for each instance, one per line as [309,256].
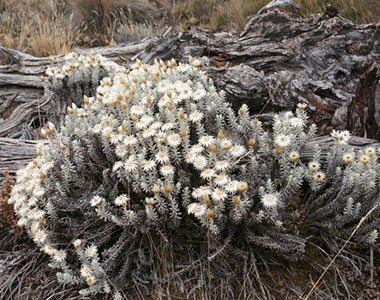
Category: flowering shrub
[158,154]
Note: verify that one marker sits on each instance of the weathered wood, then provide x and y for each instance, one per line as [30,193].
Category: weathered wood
[326,142]
[15,153]
[362,117]
[19,124]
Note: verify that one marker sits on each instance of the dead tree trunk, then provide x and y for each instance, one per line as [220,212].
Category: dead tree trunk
[363,116]
[281,58]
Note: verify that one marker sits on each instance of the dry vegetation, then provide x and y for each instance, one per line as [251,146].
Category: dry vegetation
[7,215]
[45,27]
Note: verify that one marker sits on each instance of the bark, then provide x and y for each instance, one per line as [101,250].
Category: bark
[15,153]
[363,117]
[281,58]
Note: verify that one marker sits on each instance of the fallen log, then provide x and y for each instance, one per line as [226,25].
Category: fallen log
[15,153]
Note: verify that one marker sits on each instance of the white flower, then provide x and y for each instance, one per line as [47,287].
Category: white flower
[130,164]
[296,122]
[282,140]
[140,125]
[148,165]
[59,255]
[226,144]
[121,150]
[90,280]
[197,209]
[164,101]
[348,157]
[232,186]
[35,226]
[174,140]
[346,134]
[117,166]
[190,156]
[270,200]
[180,86]
[85,271]
[149,201]
[199,94]
[208,174]
[184,94]
[237,151]
[218,195]
[107,131]
[77,243]
[155,125]
[149,133]
[116,138]
[196,116]
[301,106]
[314,166]
[40,236]
[60,76]
[221,165]
[201,192]
[364,159]
[163,86]
[191,207]
[196,149]
[221,179]
[167,170]
[144,122]
[38,191]
[319,177]
[91,251]
[35,214]
[162,157]
[370,151]
[161,137]
[122,200]
[22,222]
[97,200]
[294,156]
[168,126]
[373,237]
[130,140]
[137,110]
[48,249]
[97,128]
[206,140]
[147,100]
[200,162]
[341,136]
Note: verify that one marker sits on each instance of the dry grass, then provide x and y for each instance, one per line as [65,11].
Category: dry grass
[42,27]
[45,27]
[359,11]
[232,14]
[36,27]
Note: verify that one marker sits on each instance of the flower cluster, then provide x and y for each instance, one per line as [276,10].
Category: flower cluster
[158,146]
[75,65]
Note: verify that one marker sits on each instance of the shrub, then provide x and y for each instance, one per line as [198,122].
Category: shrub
[156,174]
